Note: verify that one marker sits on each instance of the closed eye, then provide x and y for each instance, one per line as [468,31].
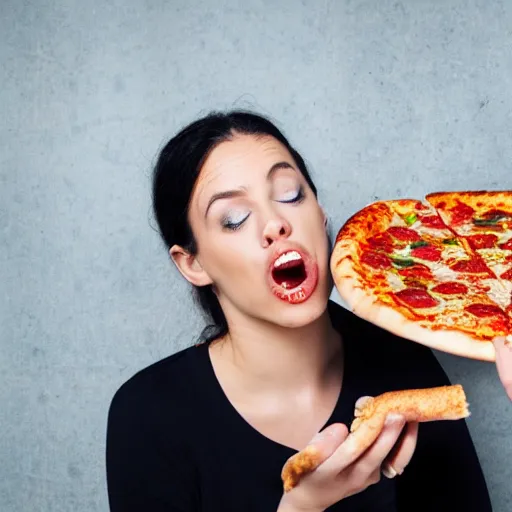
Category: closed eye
[234,224]
[297,197]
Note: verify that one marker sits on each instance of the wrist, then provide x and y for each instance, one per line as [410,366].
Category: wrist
[286,506]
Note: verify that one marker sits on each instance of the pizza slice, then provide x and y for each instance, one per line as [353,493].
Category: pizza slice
[475,212]
[484,220]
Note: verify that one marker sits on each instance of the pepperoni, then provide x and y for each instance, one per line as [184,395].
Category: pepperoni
[484,310]
[382,242]
[507,245]
[404,234]
[418,270]
[432,221]
[507,275]
[500,325]
[376,260]
[482,241]
[450,288]
[427,252]
[474,266]
[461,213]
[416,298]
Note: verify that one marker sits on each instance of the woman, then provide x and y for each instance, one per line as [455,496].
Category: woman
[210,428]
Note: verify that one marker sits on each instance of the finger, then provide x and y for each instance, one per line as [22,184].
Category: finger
[382,447]
[375,477]
[504,363]
[357,443]
[315,453]
[358,484]
[326,441]
[402,452]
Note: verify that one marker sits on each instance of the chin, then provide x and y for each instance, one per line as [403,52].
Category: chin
[304,313]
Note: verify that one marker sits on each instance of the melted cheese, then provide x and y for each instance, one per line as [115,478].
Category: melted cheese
[465,229]
[432,232]
[443,273]
[505,237]
[403,253]
[454,251]
[496,259]
[394,282]
[397,221]
[494,256]
[499,269]
[500,291]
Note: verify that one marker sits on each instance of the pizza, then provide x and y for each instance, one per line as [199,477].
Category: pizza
[437,272]
[416,405]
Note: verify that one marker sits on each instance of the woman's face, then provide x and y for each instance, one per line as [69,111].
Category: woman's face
[260,233]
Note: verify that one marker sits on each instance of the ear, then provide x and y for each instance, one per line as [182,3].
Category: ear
[189,266]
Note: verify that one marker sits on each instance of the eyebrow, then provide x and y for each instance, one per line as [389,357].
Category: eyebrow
[227,194]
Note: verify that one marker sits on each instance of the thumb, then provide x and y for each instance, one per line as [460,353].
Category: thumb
[504,363]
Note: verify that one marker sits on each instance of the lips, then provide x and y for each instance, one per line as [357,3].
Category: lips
[293,274]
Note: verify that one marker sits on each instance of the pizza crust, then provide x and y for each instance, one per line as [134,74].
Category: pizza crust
[416,405]
[473,198]
[421,405]
[299,465]
[365,305]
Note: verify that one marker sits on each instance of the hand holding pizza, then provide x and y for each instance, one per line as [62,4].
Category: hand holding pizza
[504,363]
[336,465]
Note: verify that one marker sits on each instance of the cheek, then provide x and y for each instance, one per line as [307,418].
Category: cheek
[231,257]
[313,221]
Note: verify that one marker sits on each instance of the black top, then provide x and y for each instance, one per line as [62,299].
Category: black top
[176,444]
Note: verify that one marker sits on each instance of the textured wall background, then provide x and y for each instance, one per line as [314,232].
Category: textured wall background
[384,98]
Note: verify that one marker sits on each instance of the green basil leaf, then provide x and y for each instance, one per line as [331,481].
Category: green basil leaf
[411,219]
[450,241]
[421,243]
[487,222]
[402,263]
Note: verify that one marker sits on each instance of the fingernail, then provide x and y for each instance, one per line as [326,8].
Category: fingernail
[388,471]
[393,419]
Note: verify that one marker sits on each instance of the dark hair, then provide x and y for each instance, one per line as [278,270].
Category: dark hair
[176,171]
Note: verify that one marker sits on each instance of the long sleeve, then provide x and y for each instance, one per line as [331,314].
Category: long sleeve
[445,472]
[148,467]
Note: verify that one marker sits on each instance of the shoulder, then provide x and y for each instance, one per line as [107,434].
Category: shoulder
[159,393]
[150,436]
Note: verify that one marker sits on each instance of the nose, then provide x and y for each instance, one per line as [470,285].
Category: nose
[275,229]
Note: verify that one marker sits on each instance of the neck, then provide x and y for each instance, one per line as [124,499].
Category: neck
[274,357]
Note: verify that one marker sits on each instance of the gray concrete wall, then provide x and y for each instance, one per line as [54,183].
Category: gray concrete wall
[384,98]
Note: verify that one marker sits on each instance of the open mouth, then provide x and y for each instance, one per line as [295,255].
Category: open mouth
[289,270]
[293,276]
